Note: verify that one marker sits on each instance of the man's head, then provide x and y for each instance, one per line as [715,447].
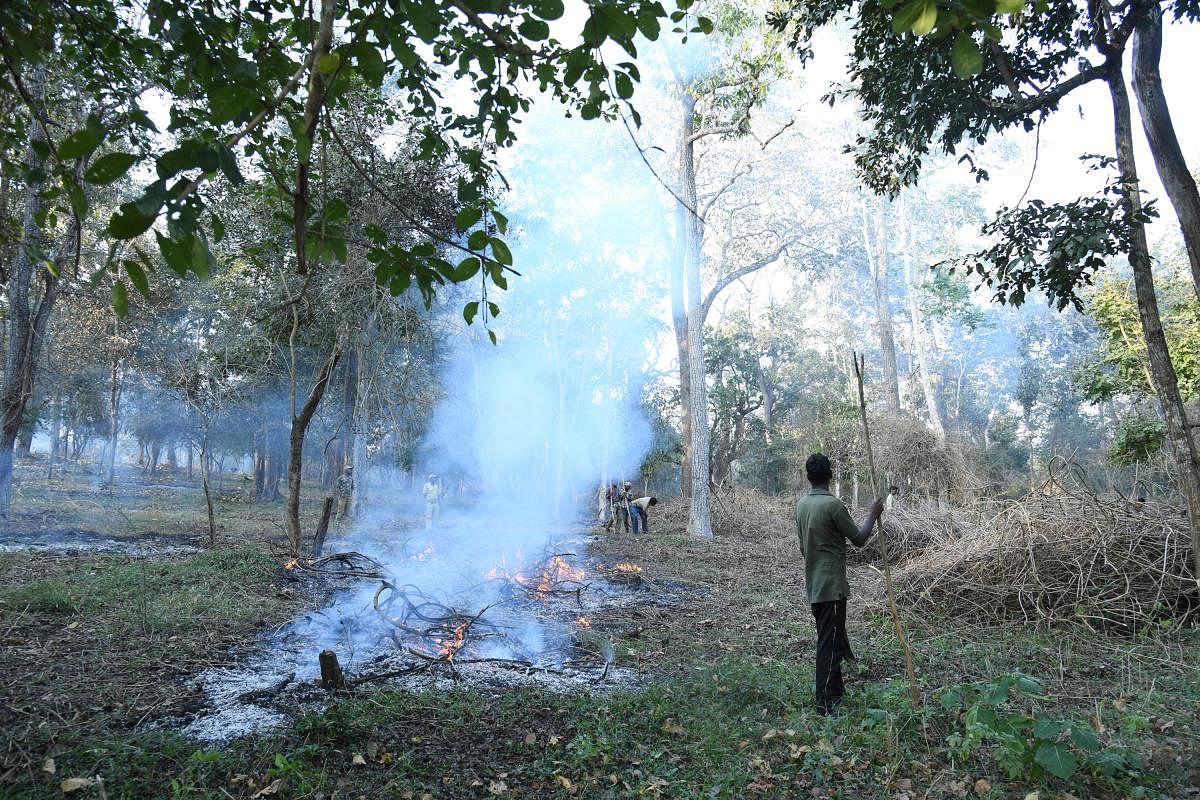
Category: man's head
[628,485]
[653,501]
[348,470]
[894,490]
[818,469]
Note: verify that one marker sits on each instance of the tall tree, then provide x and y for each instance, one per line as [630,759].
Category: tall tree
[934,74]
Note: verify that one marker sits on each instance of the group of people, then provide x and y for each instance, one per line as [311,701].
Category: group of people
[621,508]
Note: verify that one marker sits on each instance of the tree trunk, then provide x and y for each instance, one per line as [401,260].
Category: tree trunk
[696,400]
[1160,133]
[1180,443]
[26,324]
[878,263]
[114,419]
[205,466]
[919,335]
[679,323]
[300,422]
[55,433]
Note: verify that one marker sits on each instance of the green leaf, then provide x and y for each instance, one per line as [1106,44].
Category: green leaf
[109,167]
[918,16]
[501,222]
[1085,738]
[704,25]
[80,143]
[369,63]
[492,336]
[202,259]
[1028,685]
[965,56]
[129,222]
[1045,728]
[1009,6]
[470,310]
[534,29]
[500,251]
[1056,759]
[951,700]
[177,255]
[467,268]
[328,63]
[548,9]
[120,299]
[79,200]
[493,309]
[228,163]
[477,240]
[467,217]
[927,20]
[137,276]
[624,86]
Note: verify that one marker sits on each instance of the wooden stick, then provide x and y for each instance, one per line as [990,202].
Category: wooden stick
[859,367]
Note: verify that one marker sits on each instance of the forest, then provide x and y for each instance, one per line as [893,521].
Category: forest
[344,341]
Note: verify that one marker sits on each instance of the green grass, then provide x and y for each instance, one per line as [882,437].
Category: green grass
[172,597]
[739,728]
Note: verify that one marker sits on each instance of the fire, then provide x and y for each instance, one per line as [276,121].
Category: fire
[583,622]
[291,564]
[628,566]
[551,576]
[450,647]
[424,554]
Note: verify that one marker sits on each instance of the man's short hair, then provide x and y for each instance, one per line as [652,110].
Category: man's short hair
[818,469]
[653,501]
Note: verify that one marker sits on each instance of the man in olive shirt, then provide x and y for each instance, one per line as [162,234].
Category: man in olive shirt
[824,525]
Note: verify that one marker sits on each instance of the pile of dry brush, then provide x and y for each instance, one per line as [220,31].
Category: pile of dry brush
[1060,555]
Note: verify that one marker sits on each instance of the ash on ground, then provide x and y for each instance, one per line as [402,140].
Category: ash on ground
[75,540]
[532,638]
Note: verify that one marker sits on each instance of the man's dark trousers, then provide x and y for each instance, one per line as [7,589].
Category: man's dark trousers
[832,647]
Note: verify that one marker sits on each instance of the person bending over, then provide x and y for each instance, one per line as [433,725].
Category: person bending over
[638,512]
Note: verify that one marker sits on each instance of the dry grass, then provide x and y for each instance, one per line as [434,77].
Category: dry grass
[1057,558]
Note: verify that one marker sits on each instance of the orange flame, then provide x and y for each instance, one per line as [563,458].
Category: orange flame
[291,564]
[628,566]
[583,622]
[450,647]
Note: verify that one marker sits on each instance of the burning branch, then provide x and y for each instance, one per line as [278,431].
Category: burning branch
[346,565]
[426,628]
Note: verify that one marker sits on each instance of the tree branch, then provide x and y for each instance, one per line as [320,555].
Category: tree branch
[729,278]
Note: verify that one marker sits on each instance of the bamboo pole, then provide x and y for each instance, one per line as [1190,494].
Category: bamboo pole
[859,366]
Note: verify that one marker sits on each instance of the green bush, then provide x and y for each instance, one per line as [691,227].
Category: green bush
[1025,743]
[1137,441]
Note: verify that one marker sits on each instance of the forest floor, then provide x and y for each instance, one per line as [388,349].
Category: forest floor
[96,643]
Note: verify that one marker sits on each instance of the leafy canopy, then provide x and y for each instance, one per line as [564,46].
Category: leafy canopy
[248,83]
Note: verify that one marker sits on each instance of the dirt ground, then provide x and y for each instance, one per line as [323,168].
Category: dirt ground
[95,645]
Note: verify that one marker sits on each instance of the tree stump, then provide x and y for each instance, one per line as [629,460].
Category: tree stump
[331,671]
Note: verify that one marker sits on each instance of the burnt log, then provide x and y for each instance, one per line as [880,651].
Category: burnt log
[322,527]
[332,677]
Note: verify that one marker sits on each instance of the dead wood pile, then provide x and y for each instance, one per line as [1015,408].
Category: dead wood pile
[751,514]
[1063,555]
[911,529]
